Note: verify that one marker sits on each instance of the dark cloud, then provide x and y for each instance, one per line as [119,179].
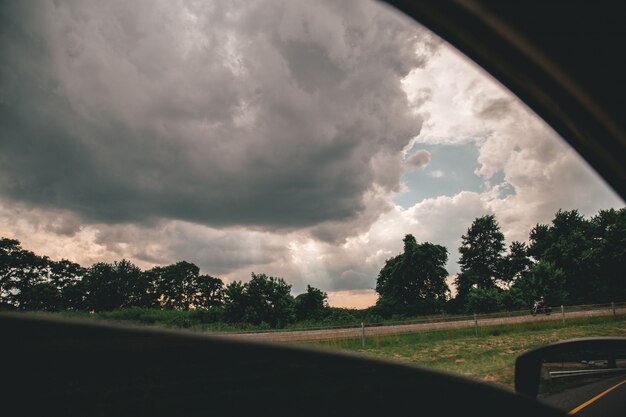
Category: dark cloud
[354,280]
[419,160]
[496,108]
[215,252]
[64,225]
[276,114]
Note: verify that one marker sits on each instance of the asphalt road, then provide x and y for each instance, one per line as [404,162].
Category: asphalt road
[354,332]
[605,398]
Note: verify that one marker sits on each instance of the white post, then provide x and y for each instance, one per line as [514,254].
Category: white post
[362,335]
[475,324]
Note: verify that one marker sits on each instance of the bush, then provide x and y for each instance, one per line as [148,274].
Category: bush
[484,300]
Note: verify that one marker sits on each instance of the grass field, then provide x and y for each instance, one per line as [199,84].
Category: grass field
[489,357]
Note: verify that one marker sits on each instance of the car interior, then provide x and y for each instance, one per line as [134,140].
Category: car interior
[68,367]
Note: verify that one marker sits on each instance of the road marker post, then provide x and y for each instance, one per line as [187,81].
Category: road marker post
[362,335]
[475,324]
[613,308]
[563,314]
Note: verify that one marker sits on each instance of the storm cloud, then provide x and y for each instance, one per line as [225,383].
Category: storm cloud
[268,114]
[272,136]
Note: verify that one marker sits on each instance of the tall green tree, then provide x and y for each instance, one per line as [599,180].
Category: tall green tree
[12,263]
[117,285]
[180,286]
[568,244]
[235,302]
[50,290]
[270,300]
[414,282]
[32,282]
[22,274]
[515,264]
[139,289]
[312,304]
[544,279]
[609,255]
[482,249]
[67,277]
[102,288]
[176,285]
[210,292]
[263,299]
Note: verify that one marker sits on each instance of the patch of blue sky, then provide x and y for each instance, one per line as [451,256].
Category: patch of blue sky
[506,189]
[450,171]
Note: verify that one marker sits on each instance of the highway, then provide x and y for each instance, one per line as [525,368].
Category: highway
[606,398]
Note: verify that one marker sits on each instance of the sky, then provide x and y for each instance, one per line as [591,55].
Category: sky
[293,138]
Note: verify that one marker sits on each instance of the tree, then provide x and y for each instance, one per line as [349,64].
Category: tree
[210,292]
[101,288]
[175,285]
[235,302]
[515,264]
[67,277]
[567,244]
[33,282]
[481,260]
[481,251]
[20,271]
[137,291]
[11,266]
[311,305]
[117,285]
[484,300]
[590,254]
[514,298]
[41,296]
[180,286]
[74,295]
[609,253]
[263,299]
[546,280]
[414,281]
[270,301]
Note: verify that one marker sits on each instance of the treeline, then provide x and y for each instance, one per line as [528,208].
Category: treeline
[573,260]
[32,282]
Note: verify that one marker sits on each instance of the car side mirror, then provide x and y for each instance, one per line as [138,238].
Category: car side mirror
[570,373]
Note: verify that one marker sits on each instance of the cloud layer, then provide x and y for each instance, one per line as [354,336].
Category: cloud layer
[267,136]
[268,114]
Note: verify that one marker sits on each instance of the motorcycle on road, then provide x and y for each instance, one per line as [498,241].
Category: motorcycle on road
[540,309]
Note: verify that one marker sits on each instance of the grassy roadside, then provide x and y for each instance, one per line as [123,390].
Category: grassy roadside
[490,357]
